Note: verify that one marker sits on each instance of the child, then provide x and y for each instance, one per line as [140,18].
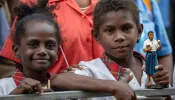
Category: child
[150,47]
[36,41]
[117,28]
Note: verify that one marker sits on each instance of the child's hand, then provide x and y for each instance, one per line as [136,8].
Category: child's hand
[161,77]
[72,68]
[48,90]
[122,91]
[126,76]
[27,86]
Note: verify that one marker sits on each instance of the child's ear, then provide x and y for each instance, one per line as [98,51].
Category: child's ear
[15,49]
[140,30]
[96,37]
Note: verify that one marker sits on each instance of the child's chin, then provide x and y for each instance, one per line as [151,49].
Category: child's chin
[41,68]
[121,56]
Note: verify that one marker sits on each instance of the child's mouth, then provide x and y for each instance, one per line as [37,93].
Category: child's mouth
[120,47]
[41,61]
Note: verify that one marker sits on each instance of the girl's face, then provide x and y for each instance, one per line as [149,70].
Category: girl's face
[118,33]
[38,47]
[150,36]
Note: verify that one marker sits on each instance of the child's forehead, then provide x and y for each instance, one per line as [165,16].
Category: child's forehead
[119,13]
[117,17]
[35,27]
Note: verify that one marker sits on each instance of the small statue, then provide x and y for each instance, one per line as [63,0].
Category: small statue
[150,47]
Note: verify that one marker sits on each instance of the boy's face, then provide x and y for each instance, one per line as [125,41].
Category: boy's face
[151,36]
[118,33]
[38,47]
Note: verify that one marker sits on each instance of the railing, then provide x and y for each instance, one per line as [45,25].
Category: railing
[141,94]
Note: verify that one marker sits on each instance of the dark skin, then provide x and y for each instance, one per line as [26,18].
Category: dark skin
[83,3]
[71,81]
[120,33]
[167,62]
[37,50]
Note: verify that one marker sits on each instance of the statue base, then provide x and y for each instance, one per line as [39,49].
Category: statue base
[154,86]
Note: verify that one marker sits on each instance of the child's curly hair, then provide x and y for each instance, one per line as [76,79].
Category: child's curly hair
[39,12]
[104,6]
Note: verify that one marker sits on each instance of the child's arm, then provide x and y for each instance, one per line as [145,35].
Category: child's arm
[161,77]
[28,85]
[71,81]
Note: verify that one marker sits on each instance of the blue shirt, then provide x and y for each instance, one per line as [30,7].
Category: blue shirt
[4,28]
[152,21]
[165,11]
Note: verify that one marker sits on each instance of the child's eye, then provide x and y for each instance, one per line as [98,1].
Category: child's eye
[32,45]
[109,30]
[51,45]
[127,28]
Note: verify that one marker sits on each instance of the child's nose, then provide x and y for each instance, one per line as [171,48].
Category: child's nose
[119,37]
[42,51]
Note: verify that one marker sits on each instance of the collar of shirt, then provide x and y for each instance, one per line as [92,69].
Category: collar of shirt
[18,77]
[116,69]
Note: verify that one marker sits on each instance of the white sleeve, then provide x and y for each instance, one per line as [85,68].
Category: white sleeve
[144,45]
[95,68]
[6,86]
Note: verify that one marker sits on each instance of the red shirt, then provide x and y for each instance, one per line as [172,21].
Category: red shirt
[115,69]
[78,43]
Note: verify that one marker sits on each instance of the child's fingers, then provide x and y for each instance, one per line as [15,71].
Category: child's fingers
[163,78]
[78,66]
[25,88]
[159,67]
[68,69]
[36,85]
[48,90]
[72,68]
[160,74]
[165,83]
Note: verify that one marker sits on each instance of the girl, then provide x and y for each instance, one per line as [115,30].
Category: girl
[36,41]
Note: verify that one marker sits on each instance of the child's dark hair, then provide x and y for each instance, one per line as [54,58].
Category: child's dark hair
[104,6]
[150,32]
[38,12]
